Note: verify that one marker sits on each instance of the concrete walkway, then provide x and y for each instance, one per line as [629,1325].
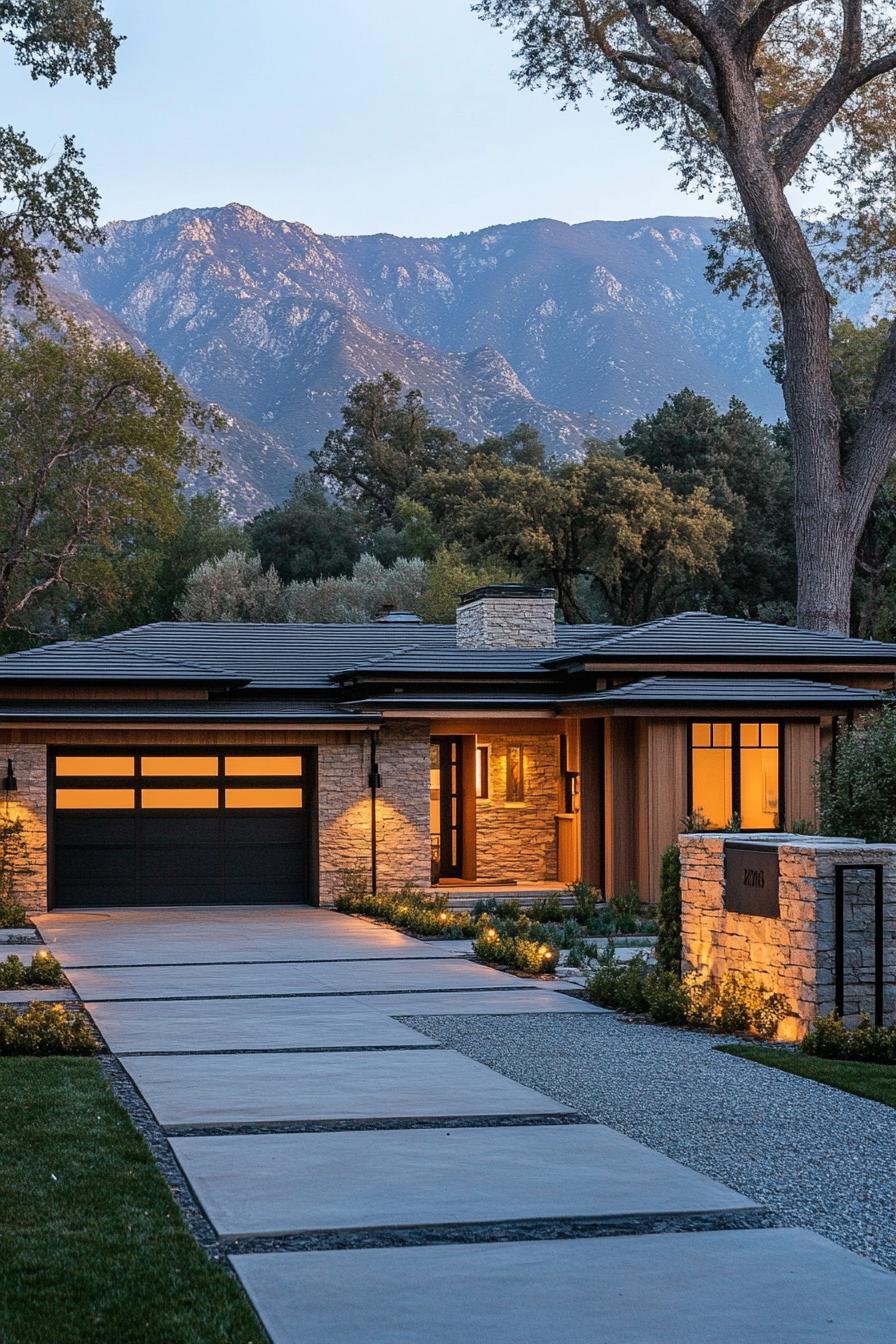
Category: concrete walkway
[374,1187]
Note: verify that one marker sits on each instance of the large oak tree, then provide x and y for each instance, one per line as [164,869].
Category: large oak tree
[47,204]
[755,98]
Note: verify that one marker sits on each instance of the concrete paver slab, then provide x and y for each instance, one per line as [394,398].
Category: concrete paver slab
[275,1183]
[484,1002]
[220,933]
[447,973]
[784,1285]
[232,980]
[34,994]
[247,1089]
[247,1024]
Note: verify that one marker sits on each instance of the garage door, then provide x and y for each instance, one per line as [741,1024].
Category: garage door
[180,827]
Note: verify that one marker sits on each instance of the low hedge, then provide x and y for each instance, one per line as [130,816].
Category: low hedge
[45,1029]
[408,908]
[44,970]
[515,950]
[735,1003]
[830,1039]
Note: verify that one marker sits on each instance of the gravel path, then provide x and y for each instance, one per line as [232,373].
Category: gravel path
[815,1156]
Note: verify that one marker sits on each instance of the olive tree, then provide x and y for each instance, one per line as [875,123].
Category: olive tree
[755,99]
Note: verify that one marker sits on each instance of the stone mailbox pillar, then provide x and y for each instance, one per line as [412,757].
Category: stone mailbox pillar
[770,905]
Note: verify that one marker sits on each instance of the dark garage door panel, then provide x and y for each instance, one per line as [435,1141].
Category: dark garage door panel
[158,864]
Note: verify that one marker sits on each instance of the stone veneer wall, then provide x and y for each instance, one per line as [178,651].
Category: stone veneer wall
[506,623]
[29,802]
[403,846]
[794,954]
[519,840]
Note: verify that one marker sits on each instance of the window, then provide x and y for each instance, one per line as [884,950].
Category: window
[482,772]
[95,765]
[263,765]
[516,773]
[104,799]
[179,765]
[263,798]
[736,772]
[178,798]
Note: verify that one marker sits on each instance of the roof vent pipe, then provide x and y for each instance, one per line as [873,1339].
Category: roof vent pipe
[388,615]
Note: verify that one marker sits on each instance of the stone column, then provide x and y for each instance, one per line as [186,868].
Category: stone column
[29,804]
[794,954]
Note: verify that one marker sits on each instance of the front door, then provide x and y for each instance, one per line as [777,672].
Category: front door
[446,810]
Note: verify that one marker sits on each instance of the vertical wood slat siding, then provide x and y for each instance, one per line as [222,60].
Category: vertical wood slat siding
[668,800]
[621,799]
[802,748]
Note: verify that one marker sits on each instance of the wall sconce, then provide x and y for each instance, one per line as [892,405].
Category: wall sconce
[10,783]
[516,773]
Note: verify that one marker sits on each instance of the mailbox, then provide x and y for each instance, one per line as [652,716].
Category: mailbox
[751,879]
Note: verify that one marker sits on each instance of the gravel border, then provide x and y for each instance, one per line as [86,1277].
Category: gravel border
[813,1155]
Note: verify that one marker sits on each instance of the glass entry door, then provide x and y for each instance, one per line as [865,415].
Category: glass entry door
[446,806]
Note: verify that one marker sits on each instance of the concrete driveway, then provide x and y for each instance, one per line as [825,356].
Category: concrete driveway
[373,1187]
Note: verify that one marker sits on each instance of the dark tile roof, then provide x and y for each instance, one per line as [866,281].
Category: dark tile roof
[270,656]
[461,700]
[772,691]
[97,660]
[699,635]
[184,711]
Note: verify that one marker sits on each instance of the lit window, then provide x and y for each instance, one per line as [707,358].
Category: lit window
[179,798]
[263,798]
[103,799]
[179,765]
[516,773]
[95,765]
[735,773]
[711,773]
[482,772]
[263,765]
[760,777]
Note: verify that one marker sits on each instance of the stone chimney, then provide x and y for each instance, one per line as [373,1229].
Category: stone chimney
[506,616]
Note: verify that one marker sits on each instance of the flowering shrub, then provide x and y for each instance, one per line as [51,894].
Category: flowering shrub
[45,1029]
[514,950]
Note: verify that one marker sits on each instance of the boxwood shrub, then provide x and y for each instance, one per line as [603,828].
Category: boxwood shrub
[44,970]
[45,1029]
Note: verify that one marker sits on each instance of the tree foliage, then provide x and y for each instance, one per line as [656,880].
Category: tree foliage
[858,781]
[47,205]
[746,471]
[753,98]
[92,440]
[385,444]
[308,536]
[640,546]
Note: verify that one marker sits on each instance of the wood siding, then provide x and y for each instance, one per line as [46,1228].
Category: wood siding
[802,749]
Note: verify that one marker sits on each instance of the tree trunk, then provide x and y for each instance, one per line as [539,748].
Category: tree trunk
[825,519]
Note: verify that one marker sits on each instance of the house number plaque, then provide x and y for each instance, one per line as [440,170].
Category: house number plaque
[751,879]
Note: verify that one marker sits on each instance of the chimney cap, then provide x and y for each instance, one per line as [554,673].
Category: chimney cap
[508,590]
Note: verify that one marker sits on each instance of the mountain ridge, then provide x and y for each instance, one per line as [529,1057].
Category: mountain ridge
[575,328]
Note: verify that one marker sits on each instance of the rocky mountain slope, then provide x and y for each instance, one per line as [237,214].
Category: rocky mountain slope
[577,329]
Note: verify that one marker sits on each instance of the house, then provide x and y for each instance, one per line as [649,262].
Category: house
[183,762]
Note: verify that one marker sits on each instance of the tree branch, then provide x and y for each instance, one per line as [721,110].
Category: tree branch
[754,29]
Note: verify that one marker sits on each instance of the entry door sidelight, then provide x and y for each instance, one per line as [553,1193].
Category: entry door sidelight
[446,806]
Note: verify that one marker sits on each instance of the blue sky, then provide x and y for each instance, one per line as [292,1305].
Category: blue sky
[354,116]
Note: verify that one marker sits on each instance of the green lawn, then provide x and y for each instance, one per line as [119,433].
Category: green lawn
[93,1249]
[876,1081]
